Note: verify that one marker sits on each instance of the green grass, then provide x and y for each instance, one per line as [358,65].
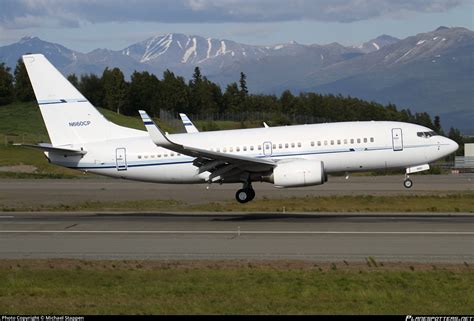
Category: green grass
[385,204]
[463,202]
[109,288]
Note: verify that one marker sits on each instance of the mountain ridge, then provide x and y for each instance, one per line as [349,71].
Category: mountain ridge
[431,71]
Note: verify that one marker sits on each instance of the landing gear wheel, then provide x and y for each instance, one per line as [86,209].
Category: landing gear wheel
[407,183]
[245,195]
[242,195]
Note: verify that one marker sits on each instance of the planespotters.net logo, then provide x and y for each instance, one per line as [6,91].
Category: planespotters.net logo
[439,318]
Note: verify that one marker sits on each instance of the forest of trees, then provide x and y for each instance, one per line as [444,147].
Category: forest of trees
[201,98]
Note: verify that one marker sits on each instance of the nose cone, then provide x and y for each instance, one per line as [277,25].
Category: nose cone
[453,146]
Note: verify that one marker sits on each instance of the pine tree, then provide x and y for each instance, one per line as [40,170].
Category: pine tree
[23,89]
[243,85]
[197,77]
[174,93]
[7,93]
[232,99]
[144,93]
[92,88]
[115,89]
[437,125]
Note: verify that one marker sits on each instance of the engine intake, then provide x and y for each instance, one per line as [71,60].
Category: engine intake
[298,173]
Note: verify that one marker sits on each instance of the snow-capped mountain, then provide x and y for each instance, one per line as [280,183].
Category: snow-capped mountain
[377,43]
[431,71]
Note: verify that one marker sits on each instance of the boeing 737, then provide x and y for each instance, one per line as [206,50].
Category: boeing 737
[286,156]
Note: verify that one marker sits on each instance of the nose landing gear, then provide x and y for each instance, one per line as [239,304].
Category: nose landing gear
[407,183]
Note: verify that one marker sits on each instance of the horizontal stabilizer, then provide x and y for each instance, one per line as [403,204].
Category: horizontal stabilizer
[51,149]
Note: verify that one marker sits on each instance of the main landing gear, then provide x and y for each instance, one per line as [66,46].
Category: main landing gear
[245,194]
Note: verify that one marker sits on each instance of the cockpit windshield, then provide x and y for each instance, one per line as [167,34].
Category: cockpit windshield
[426,134]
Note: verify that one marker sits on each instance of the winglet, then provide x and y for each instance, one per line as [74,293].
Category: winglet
[188,124]
[154,131]
[265,125]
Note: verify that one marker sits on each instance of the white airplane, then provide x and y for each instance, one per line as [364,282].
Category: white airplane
[287,156]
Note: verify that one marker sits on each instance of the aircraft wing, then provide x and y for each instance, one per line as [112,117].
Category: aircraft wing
[219,164]
[188,124]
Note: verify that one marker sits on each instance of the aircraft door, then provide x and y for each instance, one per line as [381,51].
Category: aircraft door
[121,159]
[397,139]
[267,149]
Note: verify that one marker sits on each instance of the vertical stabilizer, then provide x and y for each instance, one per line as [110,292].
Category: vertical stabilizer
[69,117]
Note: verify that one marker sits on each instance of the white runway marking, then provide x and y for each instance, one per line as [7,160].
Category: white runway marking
[237,232]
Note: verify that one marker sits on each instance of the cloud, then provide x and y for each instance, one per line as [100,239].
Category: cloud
[71,13]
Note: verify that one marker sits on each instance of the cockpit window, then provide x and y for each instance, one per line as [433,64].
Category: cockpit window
[426,134]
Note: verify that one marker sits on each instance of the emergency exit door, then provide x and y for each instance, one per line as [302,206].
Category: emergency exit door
[397,139]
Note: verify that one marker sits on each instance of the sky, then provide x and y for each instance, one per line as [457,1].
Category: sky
[84,25]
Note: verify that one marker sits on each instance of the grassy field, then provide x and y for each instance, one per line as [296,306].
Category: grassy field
[148,287]
[463,202]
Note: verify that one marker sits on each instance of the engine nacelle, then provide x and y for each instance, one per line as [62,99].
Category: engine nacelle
[297,173]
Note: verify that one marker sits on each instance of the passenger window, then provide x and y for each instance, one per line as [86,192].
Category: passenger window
[332,142]
[259,147]
[286,145]
[267,146]
[365,140]
[172,154]
[237,149]
[319,143]
[218,149]
[251,147]
[339,142]
[274,146]
[345,141]
[159,155]
[224,149]
[245,148]
[325,142]
[166,155]
[292,145]
[231,149]
[371,139]
[139,156]
[352,140]
[358,140]
[299,144]
[280,146]
[312,143]
[146,156]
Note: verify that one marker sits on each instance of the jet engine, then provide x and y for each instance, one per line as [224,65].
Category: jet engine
[297,173]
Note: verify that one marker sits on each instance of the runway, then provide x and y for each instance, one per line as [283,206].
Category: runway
[323,238]
[27,192]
